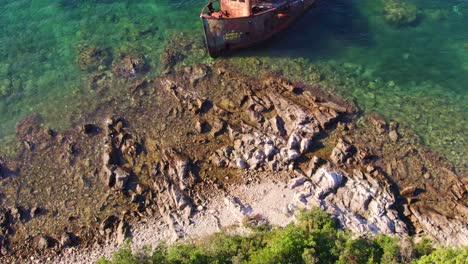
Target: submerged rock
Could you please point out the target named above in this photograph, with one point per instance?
(400, 12)
(128, 65)
(92, 58)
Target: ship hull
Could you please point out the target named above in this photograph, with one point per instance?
(223, 35)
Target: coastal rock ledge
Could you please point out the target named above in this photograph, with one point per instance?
(207, 147)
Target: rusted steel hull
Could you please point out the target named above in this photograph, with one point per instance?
(227, 34)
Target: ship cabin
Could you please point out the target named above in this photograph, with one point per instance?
(239, 8)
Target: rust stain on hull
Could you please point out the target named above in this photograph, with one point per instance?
(257, 22)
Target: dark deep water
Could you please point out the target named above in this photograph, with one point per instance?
(416, 74)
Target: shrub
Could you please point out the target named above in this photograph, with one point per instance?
(282, 246)
(445, 256)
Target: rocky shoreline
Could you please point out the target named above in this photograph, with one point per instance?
(170, 148)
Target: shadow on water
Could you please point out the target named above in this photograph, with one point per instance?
(322, 32)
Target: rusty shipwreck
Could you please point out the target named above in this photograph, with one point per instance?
(235, 24)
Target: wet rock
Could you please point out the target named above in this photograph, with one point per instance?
(119, 154)
(378, 122)
(278, 140)
(128, 65)
(109, 175)
(427, 175)
(197, 72)
(28, 128)
(170, 57)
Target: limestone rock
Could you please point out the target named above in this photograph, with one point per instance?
(447, 232)
(314, 165)
(342, 152)
(296, 182)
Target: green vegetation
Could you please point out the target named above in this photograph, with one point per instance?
(316, 238)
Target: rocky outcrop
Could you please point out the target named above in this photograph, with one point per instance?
(433, 197)
(353, 199)
(197, 132)
(445, 231)
(173, 182)
(120, 151)
(278, 130)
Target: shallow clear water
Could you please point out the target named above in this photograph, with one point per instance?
(415, 74)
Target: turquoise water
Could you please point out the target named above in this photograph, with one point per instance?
(416, 74)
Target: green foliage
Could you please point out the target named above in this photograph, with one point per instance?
(185, 254)
(124, 255)
(424, 247)
(445, 256)
(316, 238)
(390, 249)
(316, 219)
(358, 251)
(282, 246)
